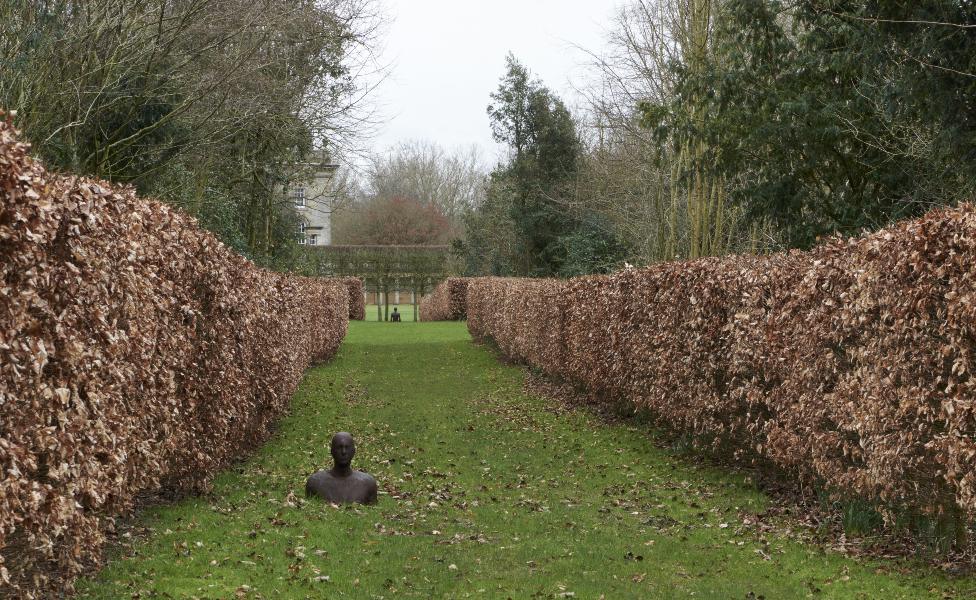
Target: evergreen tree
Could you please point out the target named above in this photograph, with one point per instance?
(545, 152)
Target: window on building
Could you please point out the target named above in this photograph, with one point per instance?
(313, 240)
(298, 197)
(301, 232)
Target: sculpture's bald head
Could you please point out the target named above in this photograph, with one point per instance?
(343, 449)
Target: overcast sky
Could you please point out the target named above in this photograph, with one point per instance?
(446, 57)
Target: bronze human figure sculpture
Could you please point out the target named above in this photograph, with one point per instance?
(342, 484)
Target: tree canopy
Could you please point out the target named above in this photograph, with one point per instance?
(210, 105)
(395, 221)
(526, 225)
(833, 116)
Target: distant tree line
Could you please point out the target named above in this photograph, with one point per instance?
(206, 104)
(720, 126)
(417, 193)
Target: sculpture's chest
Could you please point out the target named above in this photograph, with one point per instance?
(340, 490)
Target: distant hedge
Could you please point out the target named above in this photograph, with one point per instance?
(447, 302)
(137, 355)
(849, 366)
(357, 300)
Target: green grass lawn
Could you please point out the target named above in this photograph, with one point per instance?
(406, 310)
(484, 494)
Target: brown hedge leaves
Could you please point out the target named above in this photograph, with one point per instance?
(849, 366)
(357, 301)
(137, 354)
(447, 302)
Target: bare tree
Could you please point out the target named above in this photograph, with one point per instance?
(192, 100)
(651, 188)
(439, 182)
(431, 175)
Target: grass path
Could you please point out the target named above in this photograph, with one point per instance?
(373, 315)
(484, 494)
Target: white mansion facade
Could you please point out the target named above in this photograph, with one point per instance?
(314, 195)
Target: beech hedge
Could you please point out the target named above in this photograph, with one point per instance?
(447, 301)
(138, 356)
(849, 366)
(357, 301)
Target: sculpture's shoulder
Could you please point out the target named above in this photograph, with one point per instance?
(365, 477)
(369, 487)
(316, 480)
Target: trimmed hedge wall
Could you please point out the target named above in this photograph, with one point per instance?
(447, 301)
(138, 355)
(848, 366)
(357, 300)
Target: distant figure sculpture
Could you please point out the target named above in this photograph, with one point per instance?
(395, 315)
(342, 484)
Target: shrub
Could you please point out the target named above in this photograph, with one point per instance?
(137, 355)
(357, 301)
(847, 366)
(447, 302)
